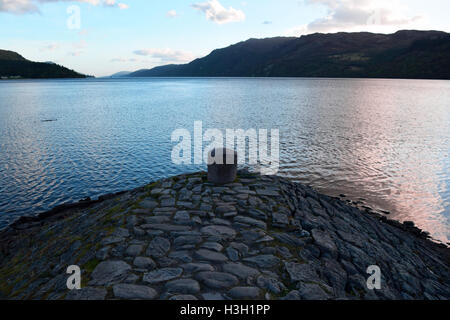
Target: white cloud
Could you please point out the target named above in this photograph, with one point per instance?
(122, 6)
(80, 44)
(123, 60)
(83, 32)
(109, 3)
(217, 13)
(358, 15)
(17, 6)
(172, 14)
(51, 47)
(113, 4)
(75, 53)
(78, 48)
(32, 6)
(166, 55)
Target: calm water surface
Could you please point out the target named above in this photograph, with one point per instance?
(386, 141)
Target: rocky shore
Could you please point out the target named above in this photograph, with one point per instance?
(183, 238)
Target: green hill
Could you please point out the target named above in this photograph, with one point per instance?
(11, 56)
(404, 54)
(13, 65)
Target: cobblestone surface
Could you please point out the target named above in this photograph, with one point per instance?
(183, 238)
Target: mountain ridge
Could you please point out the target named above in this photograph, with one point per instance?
(120, 74)
(15, 66)
(404, 54)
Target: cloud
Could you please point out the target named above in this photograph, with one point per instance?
(114, 4)
(32, 6)
(80, 44)
(217, 13)
(166, 55)
(78, 48)
(18, 6)
(122, 60)
(172, 14)
(357, 15)
(51, 47)
(75, 53)
(83, 32)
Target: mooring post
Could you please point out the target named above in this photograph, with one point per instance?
(222, 166)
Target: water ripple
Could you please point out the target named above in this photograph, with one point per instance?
(382, 140)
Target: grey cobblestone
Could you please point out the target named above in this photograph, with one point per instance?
(183, 239)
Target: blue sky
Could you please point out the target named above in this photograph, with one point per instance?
(116, 35)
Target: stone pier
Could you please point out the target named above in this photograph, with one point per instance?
(185, 238)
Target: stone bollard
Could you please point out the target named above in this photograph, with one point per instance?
(225, 171)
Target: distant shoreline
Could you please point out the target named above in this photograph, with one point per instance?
(273, 77)
(61, 78)
(409, 54)
(225, 77)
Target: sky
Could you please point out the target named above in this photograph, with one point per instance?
(101, 37)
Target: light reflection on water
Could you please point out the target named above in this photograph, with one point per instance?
(382, 140)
